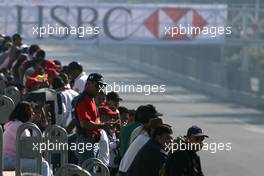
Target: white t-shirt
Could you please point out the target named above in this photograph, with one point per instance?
(113, 151)
(60, 109)
(132, 151)
(135, 133)
(104, 151)
(68, 96)
(79, 82)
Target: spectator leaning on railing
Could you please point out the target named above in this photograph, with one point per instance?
(150, 159)
(186, 162)
(88, 125)
(126, 131)
(137, 144)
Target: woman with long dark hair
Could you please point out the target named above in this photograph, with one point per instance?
(21, 114)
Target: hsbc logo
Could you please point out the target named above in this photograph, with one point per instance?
(159, 21)
(130, 23)
(181, 24)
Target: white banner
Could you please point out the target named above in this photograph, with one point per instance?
(108, 23)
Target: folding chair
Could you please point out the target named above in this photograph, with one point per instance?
(96, 167)
(6, 107)
(13, 93)
(25, 147)
(90, 161)
(72, 170)
(1, 150)
(57, 136)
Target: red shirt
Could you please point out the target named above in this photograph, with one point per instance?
(104, 109)
(86, 110)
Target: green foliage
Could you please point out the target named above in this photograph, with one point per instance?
(234, 60)
(256, 59)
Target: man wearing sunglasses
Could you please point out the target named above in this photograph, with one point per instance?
(87, 119)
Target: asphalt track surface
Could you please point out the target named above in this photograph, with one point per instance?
(224, 122)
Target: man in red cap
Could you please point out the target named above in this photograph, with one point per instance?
(111, 106)
(108, 144)
(112, 102)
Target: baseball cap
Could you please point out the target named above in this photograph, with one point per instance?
(51, 64)
(113, 96)
(74, 66)
(195, 131)
(151, 110)
(147, 112)
(97, 78)
(24, 48)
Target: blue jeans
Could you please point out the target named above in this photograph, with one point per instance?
(27, 165)
(82, 152)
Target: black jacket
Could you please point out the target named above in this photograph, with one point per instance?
(183, 163)
(148, 161)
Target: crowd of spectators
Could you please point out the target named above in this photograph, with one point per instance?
(131, 142)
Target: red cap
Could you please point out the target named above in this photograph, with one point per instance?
(104, 110)
(31, 81)
(51, 64)
(52, 72)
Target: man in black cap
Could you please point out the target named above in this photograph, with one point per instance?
(146, 113)
(185, 161)
(87, 120)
